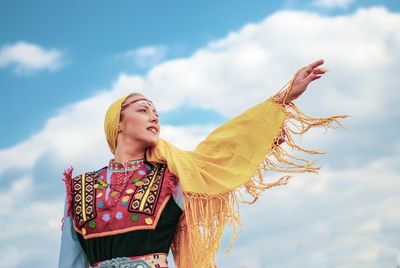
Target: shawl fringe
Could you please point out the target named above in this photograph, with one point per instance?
(198, 236)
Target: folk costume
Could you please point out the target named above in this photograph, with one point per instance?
(147, 214)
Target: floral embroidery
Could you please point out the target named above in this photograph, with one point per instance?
(129, 191)
(114, 193)
(149, 221)
(100, 204)
(106, 217)
(118, 215)
(131, 165)
(135, 217)
(92, 224)
(101, 184)
(139, 183)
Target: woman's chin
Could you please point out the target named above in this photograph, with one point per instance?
(153, 142)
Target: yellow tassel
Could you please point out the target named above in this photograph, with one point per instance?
(197, 239)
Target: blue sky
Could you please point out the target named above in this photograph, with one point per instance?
(202, 63)
(90, 34)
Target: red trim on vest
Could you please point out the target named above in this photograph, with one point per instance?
(67, 180)
(170, 182)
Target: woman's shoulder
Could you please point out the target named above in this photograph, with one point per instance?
(69, 173)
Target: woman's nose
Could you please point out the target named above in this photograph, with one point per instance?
(155, 119)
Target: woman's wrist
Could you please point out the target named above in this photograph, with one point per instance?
(280, 98)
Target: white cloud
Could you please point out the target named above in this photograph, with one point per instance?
(351, 223)
(256, 61)
(351, 213)
(145, 57)
(333, 3)
(26, 58)
(28, 227)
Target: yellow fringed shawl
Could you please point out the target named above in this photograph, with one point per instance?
(235, 156)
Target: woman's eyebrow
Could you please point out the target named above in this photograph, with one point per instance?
(146, 106)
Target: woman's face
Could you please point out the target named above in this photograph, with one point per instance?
(139, 121)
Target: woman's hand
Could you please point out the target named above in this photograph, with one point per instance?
(300, 83)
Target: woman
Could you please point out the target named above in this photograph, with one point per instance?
(153, 196)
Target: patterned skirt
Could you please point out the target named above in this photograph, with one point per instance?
(146, 261)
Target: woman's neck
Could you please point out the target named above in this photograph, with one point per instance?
(125, 153)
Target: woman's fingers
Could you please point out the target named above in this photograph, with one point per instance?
(317, 63)
(312, 72)
(319, 71)
(315, 74)
(309, 68)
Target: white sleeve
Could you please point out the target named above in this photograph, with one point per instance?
(71, 252)
(178, 195)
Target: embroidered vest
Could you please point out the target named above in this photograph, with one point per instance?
(140, 219)
(137, 207)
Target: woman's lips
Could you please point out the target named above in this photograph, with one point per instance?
(154, 130)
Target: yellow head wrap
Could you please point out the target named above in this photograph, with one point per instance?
(111, 123)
